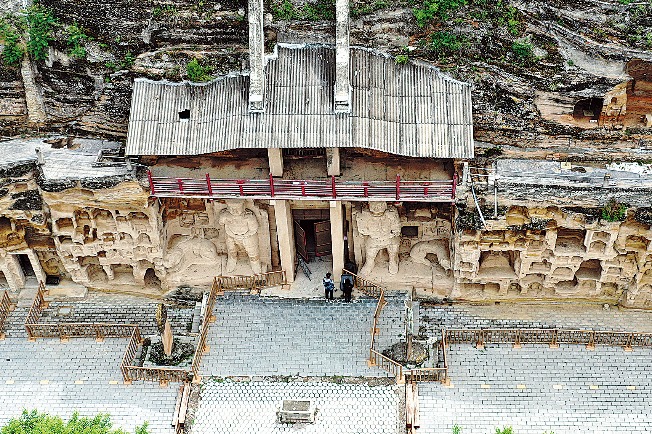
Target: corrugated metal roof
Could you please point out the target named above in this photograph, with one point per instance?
(410, 109)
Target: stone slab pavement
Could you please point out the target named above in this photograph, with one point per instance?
(536, 389)
(250, 407)
(523, 315)
(271, 336)
(80, 375)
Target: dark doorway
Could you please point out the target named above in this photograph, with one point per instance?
(313, 238)
(26, 266)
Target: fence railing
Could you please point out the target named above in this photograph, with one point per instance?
(35, 311)
(252, 283)
(65, 331)
(426, 374)
(6, 306)
(378, 359)
(207, 319)
(330, 188)
(368, 287)
(130, 372)
(552, 337)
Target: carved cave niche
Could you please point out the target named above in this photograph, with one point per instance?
(597, 247)
(499, 265)
(589, 270)
(96, 274)
(570, 241)
(636, 243)
(123, 273)
(104, 220)
(151, 279)
(65, 225)
(3, 281)
(82, 217)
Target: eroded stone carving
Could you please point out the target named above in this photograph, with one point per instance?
(241, 228)
(382, 228)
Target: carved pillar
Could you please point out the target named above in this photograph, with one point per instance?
(285, 234)
(275, 156)
(337, 238)
(333, 161)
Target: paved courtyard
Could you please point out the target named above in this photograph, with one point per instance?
(81, 375)
(536, 389)
(273, 336)
(250, 407)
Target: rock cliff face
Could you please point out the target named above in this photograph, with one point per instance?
(540, 70)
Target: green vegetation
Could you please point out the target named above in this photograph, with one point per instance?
(457, 429)
(76, 41)
(401, 59)
(14, 50)
(128, 60)
(197, 72)
(432, 9)
(40, 24)
(315, 11)
(164, 11)
(614, 211)
(524, 51)
(367, 9)
(41, 423)
(505, 430)
(445, 43)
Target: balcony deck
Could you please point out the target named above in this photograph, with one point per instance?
(323, 189)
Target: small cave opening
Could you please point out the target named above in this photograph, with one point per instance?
(588, 109)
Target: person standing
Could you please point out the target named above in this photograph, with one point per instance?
(347, 289)
(329, 286)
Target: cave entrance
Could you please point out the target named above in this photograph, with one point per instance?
(588, 109)
(26, 265)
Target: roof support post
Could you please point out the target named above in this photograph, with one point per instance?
(256, 57)
(342, 58)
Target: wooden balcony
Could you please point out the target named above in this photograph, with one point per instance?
(324, 189)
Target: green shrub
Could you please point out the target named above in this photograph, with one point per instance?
(505, 430)
(128, 60)
(432, 9)
(457, 429)
(445, 43)
(13, 52)
(197, 72)
(312, 11)
(401, 59)
(39, 423)
(40, 24)
(366, 9)
(284, 11)
(614, 211)
(76, 41)
(524, 51)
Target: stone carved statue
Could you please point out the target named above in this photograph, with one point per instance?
(241, 227)
(382, 228)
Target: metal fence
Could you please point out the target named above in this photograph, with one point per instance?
(6, 306)
(251, 283)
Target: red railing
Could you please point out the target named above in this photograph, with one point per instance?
(330, 188)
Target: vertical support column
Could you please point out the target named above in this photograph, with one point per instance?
(256, 57)
(10, 267)
(275, 157)
(285, 235)
(36, 265)
(342, 60)
(333, 161)
(337, 238)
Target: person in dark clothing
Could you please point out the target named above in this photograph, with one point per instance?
(329, 286)
(347, 289)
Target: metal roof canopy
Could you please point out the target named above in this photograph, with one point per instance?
(405, 109)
